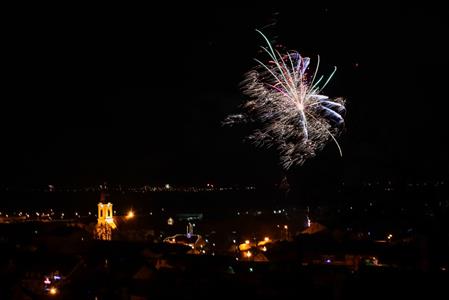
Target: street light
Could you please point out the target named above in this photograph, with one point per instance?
(53, 291)
(130, 215)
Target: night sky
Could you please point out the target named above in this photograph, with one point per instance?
(137, 95)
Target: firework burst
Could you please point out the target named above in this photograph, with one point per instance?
(287, 106)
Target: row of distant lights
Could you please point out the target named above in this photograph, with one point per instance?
(52, 213)
(280, 211)
(78, 215)
(209, 186)
(418, 184)
(167, 186)
(27, 215)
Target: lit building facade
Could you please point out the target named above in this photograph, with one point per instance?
(105, 223)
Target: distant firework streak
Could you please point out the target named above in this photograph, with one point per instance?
(287, 108)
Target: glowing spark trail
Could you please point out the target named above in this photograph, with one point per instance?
(287, 107)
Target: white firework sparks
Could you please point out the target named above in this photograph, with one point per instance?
(288, 108)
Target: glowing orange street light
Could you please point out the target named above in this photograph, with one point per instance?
(130, 215)
(266, 239)
(247, 242)
(53, 291)
(248, 254)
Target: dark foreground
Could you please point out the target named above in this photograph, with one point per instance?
(140, 270)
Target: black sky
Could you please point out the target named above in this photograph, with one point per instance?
(137, 95)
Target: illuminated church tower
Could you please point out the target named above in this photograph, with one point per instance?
(105, 223)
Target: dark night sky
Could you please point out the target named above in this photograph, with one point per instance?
(137, 95)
